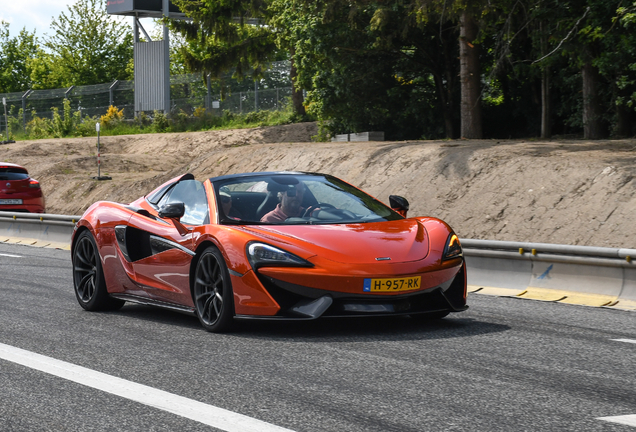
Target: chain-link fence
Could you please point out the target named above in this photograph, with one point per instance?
(187, 92)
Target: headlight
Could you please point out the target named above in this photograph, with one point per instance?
(261, 255)
(453, 249)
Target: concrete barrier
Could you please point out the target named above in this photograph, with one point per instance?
(590, 276)
(43, 230)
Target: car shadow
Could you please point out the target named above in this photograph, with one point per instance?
(158, 315)
(367, 328)
(329, 329)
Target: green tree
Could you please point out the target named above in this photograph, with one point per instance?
(625, 78)
(87, 47)
(374, 67)
(233, 35)
(14, 55)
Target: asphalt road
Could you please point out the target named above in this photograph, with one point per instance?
(504, 365)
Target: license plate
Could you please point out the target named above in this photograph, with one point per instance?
(10, 201)
(392, 284)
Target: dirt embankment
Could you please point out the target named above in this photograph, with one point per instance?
(569, 192)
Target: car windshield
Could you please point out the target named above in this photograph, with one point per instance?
(13, 173)
(296, 199)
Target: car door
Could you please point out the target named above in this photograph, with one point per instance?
(162, 252)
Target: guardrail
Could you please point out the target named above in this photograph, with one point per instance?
(37, 229)
(595, 276)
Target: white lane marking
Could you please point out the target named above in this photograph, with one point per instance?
(12, 256)
(198, 411)
(625, 340)
(629, 420)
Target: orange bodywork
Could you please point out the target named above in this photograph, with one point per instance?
(340, 258)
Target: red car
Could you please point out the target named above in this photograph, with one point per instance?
(273, 246)
(18, 191)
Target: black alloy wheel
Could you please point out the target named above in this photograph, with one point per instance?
(88, 276)
(212, 292)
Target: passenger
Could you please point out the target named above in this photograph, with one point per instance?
(289, 206)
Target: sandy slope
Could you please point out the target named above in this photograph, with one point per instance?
(571, 192)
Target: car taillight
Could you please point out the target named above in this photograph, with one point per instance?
(34, 184)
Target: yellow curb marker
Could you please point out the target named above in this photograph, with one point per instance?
(559, 296)
(623, 305)
(569, 297)
(494, 291)
(36, 243)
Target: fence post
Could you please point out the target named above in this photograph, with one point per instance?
(24, 96)
(255, 95)
(277, 98)
(241, 102)
(208, 99)
(6, 119)
(113, 86)
(68, 91)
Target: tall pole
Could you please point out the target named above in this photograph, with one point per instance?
(99, 164)
(99, 159)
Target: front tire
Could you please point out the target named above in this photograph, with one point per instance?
(88, 276)
(212, 292)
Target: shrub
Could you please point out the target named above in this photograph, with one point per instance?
(62, 127)
(86, 127)
(200, 112)
(16, 123)
(142, 119)
(39, 127)
(160, 122)
(112, 116)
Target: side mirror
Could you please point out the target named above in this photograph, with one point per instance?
(399, 204)
(172, 211)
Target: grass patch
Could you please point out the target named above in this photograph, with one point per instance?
(112, 123)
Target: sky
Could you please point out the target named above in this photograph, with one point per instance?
(35, 15)
(32, 14)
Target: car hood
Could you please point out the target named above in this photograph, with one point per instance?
(401, 240)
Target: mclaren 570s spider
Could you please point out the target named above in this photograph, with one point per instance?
(268, 246)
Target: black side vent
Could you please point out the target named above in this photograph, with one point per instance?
(134, 243)
(158, 245)
(120, 234)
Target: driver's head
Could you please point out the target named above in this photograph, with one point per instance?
(291, 200)
(226, 200)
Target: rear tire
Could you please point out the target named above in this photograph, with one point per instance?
(88, 276)
(212, 292)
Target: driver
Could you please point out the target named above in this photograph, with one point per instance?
(289, 206)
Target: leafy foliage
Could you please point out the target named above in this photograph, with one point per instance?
(87, 47)
(112, 116)
(15, 52)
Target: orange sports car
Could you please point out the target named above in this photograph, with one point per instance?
(275, 246)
